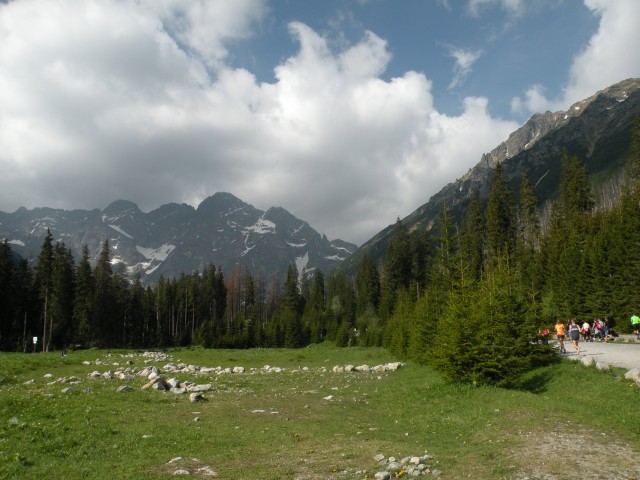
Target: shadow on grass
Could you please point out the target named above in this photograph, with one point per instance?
(535, 382)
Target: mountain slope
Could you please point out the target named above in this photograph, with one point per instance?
(597, 130)
(175, 239)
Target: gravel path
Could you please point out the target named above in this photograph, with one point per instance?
(620, 354)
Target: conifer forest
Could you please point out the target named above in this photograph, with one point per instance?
(467, 297)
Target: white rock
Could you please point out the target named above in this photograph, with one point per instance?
(196, 397)
(587, 361)
(633, 374)
(173, 382)
(238, 370)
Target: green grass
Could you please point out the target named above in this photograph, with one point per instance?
(278, 425)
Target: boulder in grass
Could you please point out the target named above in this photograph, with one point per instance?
(197, 397)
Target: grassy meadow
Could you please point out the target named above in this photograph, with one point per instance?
(308, 423)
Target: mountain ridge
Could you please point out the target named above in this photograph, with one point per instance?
(596, 129)
(177, 238)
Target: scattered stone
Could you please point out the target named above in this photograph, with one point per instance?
(152, 383)
(587, 361)
(633, 374)
(415, 466)
(196, 397)
(123, 389)
(68, 390)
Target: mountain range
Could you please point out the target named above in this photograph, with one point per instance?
(227, 232)
(597, 130)
(178, 238)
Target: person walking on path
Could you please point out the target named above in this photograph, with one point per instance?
(635, 324)
(560, 332)
(574, 334)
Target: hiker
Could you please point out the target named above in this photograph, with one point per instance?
(635, 324)
(544, 335)
(560, 332)
(574, 334)
(586, 332)
(598, 329)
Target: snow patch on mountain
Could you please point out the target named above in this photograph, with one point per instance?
(297, 245)
(119, 230)
(301, 263)
(161, 253)
(16, 242)
(262, 226)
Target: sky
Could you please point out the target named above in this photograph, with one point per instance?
(347, 113)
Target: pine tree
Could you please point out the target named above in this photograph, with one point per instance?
(367, 287)
(83, 300)
(501, 220)
(528, 216)
(576, 196)
(472, 237)
(44, 286)
(61, 298)
(7, 298)
(103, 328)
(633, 164)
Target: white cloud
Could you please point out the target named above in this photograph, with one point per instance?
(513, 7)
(463, 65)
(535, 101)
(133, 99)
(609, 57)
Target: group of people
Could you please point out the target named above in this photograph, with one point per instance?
(586, 331)
(599, 329)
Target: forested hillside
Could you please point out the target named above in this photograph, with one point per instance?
(467, 296)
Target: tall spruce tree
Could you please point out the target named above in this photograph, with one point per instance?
(472, 237)
(396, 270)
(83, 300)
(61, 299)
(7, 298)
(501, 218)
(103, 328)
(633, 164)
(44, 286)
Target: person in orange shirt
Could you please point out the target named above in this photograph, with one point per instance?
(560, 332)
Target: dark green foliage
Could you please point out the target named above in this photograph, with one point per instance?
(501, 217)
(468, 297)
(634, 155)
(484, 337)
(472, 237)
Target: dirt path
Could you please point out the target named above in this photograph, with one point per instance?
(619, 354)
(567, 452)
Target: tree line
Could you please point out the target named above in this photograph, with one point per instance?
(467, 297)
